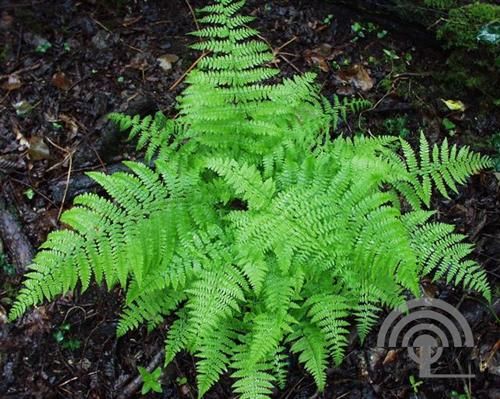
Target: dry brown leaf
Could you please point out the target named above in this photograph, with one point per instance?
(13, 83)
(6, 20)
(61, 81)
(38, 150)
(320, 62)
(358, 76)
(391, 357)
(36, 321)
(324, 50)
(490, 359)
(345, 91)
(70, 123)
(138, 62)
(319, 56)
(19, 136)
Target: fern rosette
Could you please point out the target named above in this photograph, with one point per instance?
(257, 231)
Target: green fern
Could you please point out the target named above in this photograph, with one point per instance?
(440, 4)
(254, 228)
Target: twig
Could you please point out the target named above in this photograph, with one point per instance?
(34, 190)
(67, 185)
(4, 97)
(103, 165)
(67, 381)
(25, 69)
(416, 74)
(290, 63)
(290, 392)
(265, 40)
(73, 308)
(179, 81)
(126, 24)
(133, 386)
(120, 39)
(193, 14)
(131, 47)
(285, 44)
(20, 44)
(101, 25)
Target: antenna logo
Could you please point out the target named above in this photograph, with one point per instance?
(429, 325)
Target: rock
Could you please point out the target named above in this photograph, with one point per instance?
(87, 26)
(78, 184)
(103, 40)
(167, 60)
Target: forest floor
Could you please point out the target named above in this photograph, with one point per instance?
(64, 65)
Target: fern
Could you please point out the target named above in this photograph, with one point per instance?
(440, 4)
(253, 228)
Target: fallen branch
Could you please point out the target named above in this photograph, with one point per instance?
(130, 389)
(19, 71)
(15, 241)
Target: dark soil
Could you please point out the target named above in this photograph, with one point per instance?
(64, 65)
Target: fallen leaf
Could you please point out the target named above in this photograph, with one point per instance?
(324, 50)
(320, 56)
(454, 105)
(70, 124)
(320, 62)
(139, 62)
(36, 321)
(19, 136)
(38, 150)
(60, 81)
(430, 290)
(22, 107)
(6, 21)
(13, 83)
(358, 76)
(166, 61)
(3, 315)
(345, 91)
(490, 360)
(391, 357)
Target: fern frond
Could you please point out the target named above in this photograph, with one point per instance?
(311, 345)
(440, 4)
(215, 349)
(443, 252)
(253, 380)
(328, 312)
(219, 290)
(442, 168)
(178, 337)
(246, 181)
(151, 307)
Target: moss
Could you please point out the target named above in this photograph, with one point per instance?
(472, 64)
(464, 23)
